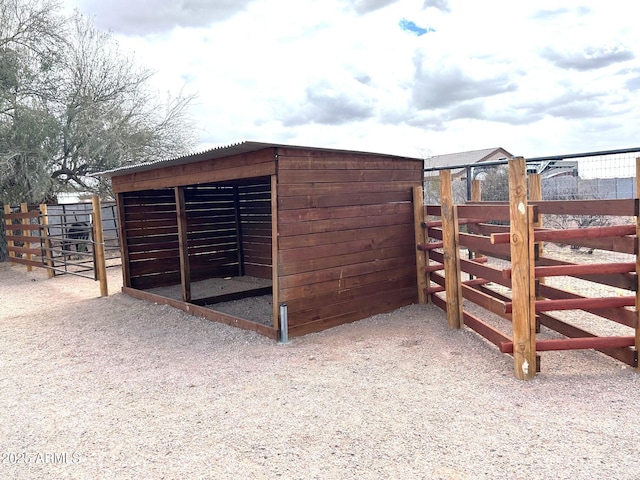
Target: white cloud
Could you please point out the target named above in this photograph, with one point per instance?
(329, 103)
(442, 5)
(440, 85)
(366, 6)
(536, 79)
(589, 58)
(142, 17)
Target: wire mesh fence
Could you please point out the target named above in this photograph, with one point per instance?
(585, 176)
(70, 225)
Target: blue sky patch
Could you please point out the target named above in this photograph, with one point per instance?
(409, 26)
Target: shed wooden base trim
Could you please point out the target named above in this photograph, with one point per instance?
(203, 312)
(228, 297)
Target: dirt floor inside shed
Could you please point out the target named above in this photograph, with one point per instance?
(257, 308)
(116, 388)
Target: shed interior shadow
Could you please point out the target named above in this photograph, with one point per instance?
(228, 232)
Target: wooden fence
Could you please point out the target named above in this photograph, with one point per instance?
(507, 274)
(65, 246)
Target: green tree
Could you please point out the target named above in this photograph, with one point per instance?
(72, 103)
(30, 35)
(107, 115)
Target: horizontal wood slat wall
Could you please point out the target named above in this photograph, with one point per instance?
(212, 232)
(346, 241)
(255, 215)
(151, 231)
(250, 165)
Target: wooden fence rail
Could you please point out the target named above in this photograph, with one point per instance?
(518, 292)
(30, 242)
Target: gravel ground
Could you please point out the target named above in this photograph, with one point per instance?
(116, 388)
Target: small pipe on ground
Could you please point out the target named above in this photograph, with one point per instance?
(284, 324)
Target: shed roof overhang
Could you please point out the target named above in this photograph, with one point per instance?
(226, 151)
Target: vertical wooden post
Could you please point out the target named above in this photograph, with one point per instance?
(48, 254)
(637, 263)
(98, 246)
(122, 235)
(185, 268)
(275, 256)
(24, 208)
(238, 220)
(451, 252)
(522, 277)
(476, 196)
(7, 221)
(535, 188)
(421, 257)
(476, 191)
(535, 194)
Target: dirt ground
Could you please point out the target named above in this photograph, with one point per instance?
(117, 388)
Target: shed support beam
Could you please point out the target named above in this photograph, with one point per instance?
(124, 247)
(185, 270)
(275, 256)
(238, 220)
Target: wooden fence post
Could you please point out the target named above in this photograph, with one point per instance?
(24, 208)
(535, 194)
(419, 231)
(637, 264)
(7, 221)
(48, 255)
(476, 191)
(476, 196)
(451, 252)
(98, 245)
(522, 278)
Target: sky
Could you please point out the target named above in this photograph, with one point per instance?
(406, 77)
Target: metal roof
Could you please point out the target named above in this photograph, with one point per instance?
(225, 151)
(465, 158)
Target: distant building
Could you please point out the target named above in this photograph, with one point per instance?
(464, 158)
(68, 197)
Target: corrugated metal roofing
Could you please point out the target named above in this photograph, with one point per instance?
(225, 151)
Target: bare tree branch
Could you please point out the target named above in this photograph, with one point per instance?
(72, 104)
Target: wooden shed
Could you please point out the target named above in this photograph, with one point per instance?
(329, 233)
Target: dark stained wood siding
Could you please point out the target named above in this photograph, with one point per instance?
(229, 229)
(151, 230)
(228, 225)
(249, 165)
(345, 236)
(212, 231)
(148, 206)
(255, 215)
(345, 243)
